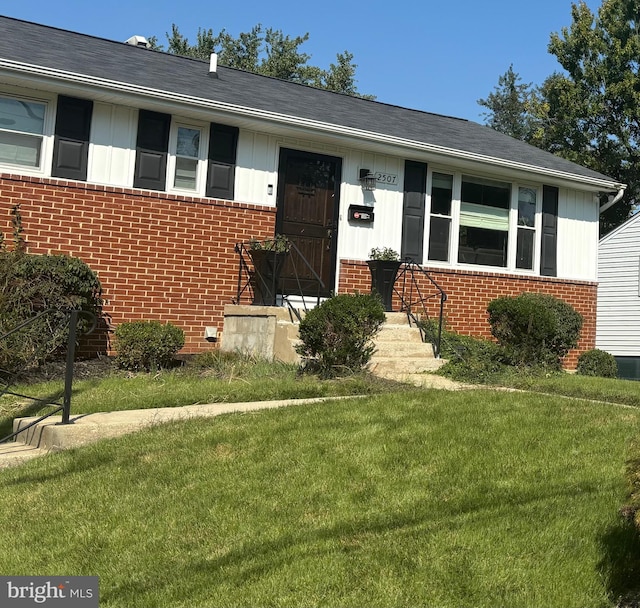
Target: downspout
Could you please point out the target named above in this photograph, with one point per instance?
(613, 201)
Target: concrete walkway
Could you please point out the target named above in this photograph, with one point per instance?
(52, 436)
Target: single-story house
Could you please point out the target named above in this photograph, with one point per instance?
(151, 167)
(618, 316)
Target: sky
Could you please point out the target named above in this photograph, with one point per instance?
(434, 55)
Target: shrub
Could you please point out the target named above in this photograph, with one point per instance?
(147, 345)
(597, 362)
(470, 359)
(31, 284)
(534, 329)
(337, 334)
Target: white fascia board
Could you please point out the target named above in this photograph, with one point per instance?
(288, 120)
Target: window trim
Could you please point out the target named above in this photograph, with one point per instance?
(201, 177)
(454, 236)
(46, 148)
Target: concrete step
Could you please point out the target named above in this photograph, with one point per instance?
(396, 348)
(391, 332)
(405, 365)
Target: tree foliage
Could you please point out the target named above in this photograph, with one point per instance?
(588, 112)
(268, 52)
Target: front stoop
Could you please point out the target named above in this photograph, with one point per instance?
(268, 332)
(400, 352)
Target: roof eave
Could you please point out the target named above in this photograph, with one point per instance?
(14, 67)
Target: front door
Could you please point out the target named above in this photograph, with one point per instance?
(308, 203)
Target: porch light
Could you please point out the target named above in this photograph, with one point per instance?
(367, 179)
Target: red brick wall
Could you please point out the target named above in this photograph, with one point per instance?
(469, 293)
(158, 256)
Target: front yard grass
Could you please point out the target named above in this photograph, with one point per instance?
(419, 498)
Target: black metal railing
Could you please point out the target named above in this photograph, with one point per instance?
(414, 300)
(278, 277)
(71, 320)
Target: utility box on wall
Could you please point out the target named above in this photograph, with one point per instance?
(360, 214)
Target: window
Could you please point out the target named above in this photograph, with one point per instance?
(527, 207)
(187, 158)
(484, 222)
(21, 131)
(440, 226)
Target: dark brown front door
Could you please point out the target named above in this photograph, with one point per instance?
(308, 203)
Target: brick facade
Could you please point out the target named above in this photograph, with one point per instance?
(158, 256)
(469, 293)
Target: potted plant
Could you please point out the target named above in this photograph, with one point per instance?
(268, 257)
(384, 263)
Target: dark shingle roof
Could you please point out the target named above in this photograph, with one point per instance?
(72, 52)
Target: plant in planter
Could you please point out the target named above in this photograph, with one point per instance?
(268, 257)
(384, 263)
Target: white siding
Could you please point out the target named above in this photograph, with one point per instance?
(618, 318)
(357, 240)
(256, 169)
(577, 235)
(113, 141)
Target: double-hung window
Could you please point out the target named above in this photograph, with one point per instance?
(187, 158)
(527, 207)
(21, 131)
(440, 224)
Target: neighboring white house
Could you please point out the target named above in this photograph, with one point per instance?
(618, 314)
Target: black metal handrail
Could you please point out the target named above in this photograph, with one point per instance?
(252, 277)
(65, 406)
(411, 297)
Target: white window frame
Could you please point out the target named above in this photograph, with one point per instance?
(454, 236)
(201, 175)
(46, 148)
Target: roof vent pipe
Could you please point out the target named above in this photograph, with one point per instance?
(213, 65)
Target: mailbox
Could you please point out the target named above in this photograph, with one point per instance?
(360, 214)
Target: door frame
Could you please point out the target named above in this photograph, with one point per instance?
(284, 155)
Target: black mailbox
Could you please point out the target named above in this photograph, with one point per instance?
(360, 214)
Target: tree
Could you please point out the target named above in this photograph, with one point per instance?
(510, 107)
(268, 52)
(590, 112)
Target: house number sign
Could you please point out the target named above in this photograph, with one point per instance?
(386, 178)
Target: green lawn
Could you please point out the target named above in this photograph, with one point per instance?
(418, 498)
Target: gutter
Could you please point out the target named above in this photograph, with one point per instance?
(293, 121)
(610, 203)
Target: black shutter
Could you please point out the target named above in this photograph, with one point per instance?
(548, 253)
(415, 187)
(71, 141)
(223, 144)
(151, 150)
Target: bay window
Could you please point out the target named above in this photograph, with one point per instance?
(21, 131)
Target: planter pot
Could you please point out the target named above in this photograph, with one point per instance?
(383, 276)
(267, 267)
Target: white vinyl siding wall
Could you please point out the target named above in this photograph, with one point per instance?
(618, 316)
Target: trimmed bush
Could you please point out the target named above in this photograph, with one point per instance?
(336, 336)
(31, 284)
(534, 329)
(147, 345)
(597, 362)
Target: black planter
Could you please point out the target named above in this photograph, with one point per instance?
(267, 267)
(383, 276)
